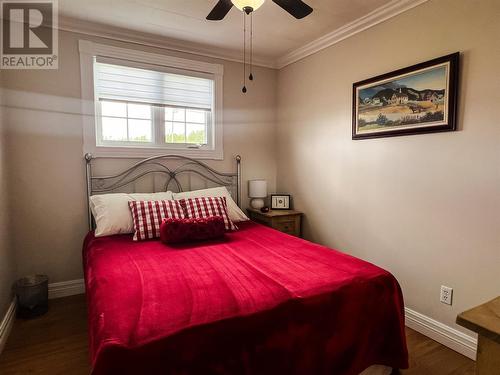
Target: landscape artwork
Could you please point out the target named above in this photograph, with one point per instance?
(418, 99)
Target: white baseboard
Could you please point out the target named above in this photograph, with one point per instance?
(66, 288)
(7, 323)
(446, 335)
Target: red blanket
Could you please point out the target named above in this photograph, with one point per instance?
(257, 302)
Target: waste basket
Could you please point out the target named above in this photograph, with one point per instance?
(32, 296)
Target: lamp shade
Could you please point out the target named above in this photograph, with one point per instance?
(257, 188)
(254, 4)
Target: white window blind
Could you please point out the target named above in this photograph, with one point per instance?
(130, 84)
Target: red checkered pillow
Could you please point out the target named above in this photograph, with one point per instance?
(206, 207)
(148, 215)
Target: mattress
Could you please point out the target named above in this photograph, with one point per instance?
(256, 302)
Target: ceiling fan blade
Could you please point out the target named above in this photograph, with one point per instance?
(220, 10)
(296, 8)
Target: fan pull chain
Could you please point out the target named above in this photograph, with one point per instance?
(244, 89)
(250, 77)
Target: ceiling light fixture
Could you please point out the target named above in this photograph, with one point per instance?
(247, 6)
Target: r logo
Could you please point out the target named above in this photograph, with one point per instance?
(29, 28)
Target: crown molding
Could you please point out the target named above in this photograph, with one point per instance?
(381, 14)
(153, 40)
(371, 19)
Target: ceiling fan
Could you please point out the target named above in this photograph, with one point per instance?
(296, 8)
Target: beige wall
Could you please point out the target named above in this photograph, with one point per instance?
(45, 149)
(425, 207)
(7, 261)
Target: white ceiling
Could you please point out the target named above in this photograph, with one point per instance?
(276, 33)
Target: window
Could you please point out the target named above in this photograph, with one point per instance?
(152, 106)
(125, 122)
(186, 125)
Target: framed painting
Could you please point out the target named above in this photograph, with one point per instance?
(419, 99)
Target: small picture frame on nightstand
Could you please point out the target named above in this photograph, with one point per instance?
(280, 201)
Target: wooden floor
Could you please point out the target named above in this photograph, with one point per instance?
(57, 344)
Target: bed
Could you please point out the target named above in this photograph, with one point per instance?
(256, 302)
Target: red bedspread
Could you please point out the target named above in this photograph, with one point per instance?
(258, 302)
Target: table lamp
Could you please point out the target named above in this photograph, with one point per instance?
(257, 190)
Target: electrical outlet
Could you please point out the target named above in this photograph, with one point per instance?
(446, 295)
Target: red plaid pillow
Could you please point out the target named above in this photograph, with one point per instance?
(206, 207)
(148, 215)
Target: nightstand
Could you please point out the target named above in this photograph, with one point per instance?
(286, 221)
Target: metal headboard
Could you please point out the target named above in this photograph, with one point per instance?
(156, 165)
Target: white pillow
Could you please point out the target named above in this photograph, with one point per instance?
(234, 212)
(112, 214)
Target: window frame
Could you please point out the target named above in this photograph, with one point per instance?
(90, 51)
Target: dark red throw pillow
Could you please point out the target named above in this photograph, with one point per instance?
(192, 229)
